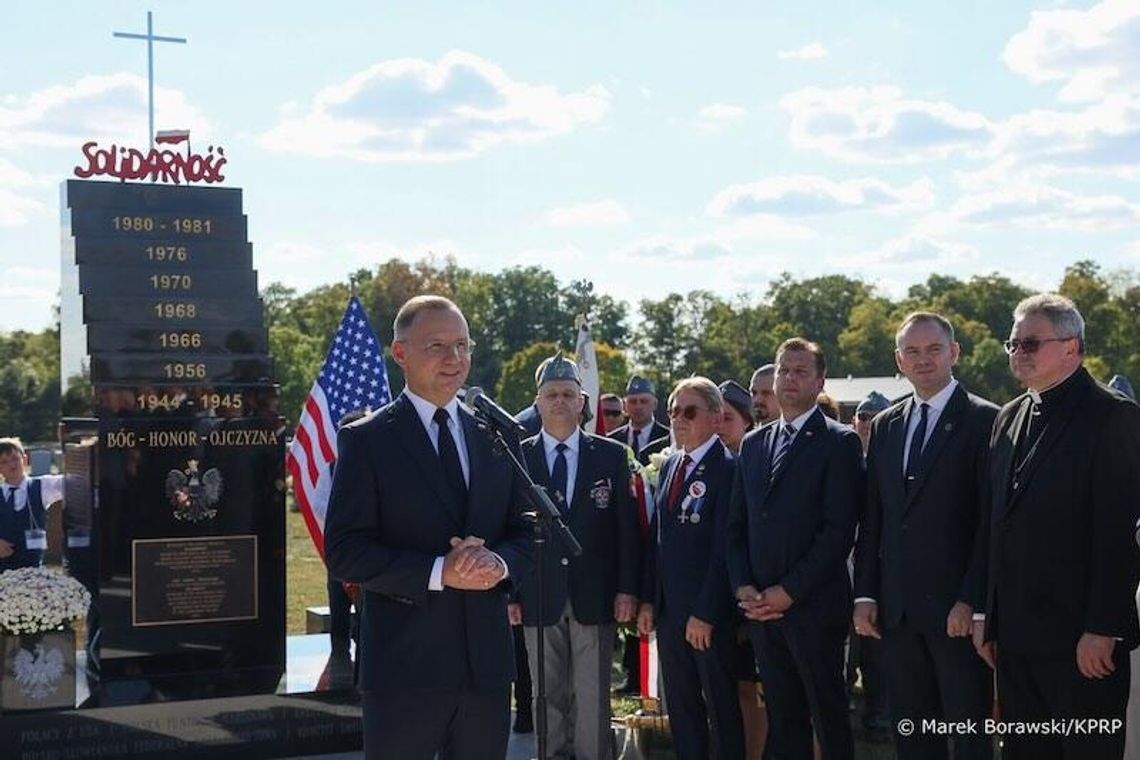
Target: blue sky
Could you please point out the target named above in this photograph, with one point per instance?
(651, 147)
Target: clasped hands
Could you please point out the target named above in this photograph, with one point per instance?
(763, 606)
(471, 566)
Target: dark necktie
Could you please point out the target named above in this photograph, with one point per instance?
(560, 475)
(634, 435)
(678, 484)
(787, 433)
(449, 458)
(916, 444)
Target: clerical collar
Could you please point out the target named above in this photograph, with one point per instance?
(1053, 396)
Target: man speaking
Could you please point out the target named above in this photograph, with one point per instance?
(428, 520)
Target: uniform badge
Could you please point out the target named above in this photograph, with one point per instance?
(697, 489)
(600, 493)
(695, 518)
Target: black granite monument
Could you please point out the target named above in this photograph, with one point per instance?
(160, 313)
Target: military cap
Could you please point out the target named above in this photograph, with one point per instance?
(874, 403)
(559, 368)
(638, 384)
(1123, 385)
(734, 394)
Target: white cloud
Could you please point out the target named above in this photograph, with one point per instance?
(104, 108)
(717, 116)
(32, 284)
(1105, 137)
(16, 205)
(807, 195)
(1043, 207)
(739, 238)
(409, 110)
(1090, 52)
(551, 258)
(921, 250)
(813, 51)
(879, 124)
(605, 213)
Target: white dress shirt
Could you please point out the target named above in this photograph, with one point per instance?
(798, 423)
(573, 443)
(935, 404)
(426, 412)
(51, 490)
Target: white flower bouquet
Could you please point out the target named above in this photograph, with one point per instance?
(37, 600)
(656, 459)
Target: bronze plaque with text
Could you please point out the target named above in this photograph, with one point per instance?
(193, 580)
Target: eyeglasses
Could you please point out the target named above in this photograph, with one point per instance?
(439, 350)
(1029, 345)
(688, 412)
(611, 412)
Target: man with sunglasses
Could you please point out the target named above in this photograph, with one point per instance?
(795, 502)
(429, 521)
(687, 598)
(916, 582)
(587, 477)
(1062, 566)
(612, 414)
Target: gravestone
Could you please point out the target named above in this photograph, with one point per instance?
(160, 315)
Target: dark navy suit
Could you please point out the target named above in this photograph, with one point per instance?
(796, 530)
(685, 576)
(13, 525)
(425, 653)
(916, 557)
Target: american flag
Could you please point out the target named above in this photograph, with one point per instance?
(353, 378)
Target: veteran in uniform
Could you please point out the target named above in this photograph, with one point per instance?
(587, 477)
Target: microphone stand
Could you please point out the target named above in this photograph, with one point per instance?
(547, 521)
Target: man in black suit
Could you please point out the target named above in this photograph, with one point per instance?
(687, 598)
(587, 477)
(642, 433)
(1063, 568)
(795, 501)
(429, 521)
(916, 583)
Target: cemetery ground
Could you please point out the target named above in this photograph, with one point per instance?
(305, 587)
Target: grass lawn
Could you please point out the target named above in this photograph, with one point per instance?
(304, 573)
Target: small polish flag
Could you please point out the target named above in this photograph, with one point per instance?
(172, 136)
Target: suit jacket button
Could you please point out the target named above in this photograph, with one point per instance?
(904, 527)
(565, 561)
(764, 515)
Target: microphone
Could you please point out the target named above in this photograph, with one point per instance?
(492, 412)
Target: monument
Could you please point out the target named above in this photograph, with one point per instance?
(175, 494)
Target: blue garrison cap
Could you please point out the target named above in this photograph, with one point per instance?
(559, 368)
(874, 403)
(734, 393)
(1123, 385)
(638, 384)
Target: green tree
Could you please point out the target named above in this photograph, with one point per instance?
(867, 344)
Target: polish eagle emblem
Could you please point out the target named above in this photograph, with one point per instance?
(38, 674)
(193, 496)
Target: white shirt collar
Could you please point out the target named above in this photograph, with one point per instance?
(699, 452)
(549, 442)
(799, 422)
(426, 409)
(939, 400)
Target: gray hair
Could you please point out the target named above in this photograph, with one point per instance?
(704, 388)
(1060, 311)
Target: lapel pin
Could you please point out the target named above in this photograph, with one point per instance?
(949, 426)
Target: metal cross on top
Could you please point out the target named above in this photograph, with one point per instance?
(150, 40)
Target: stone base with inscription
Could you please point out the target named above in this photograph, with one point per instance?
(315, 711)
